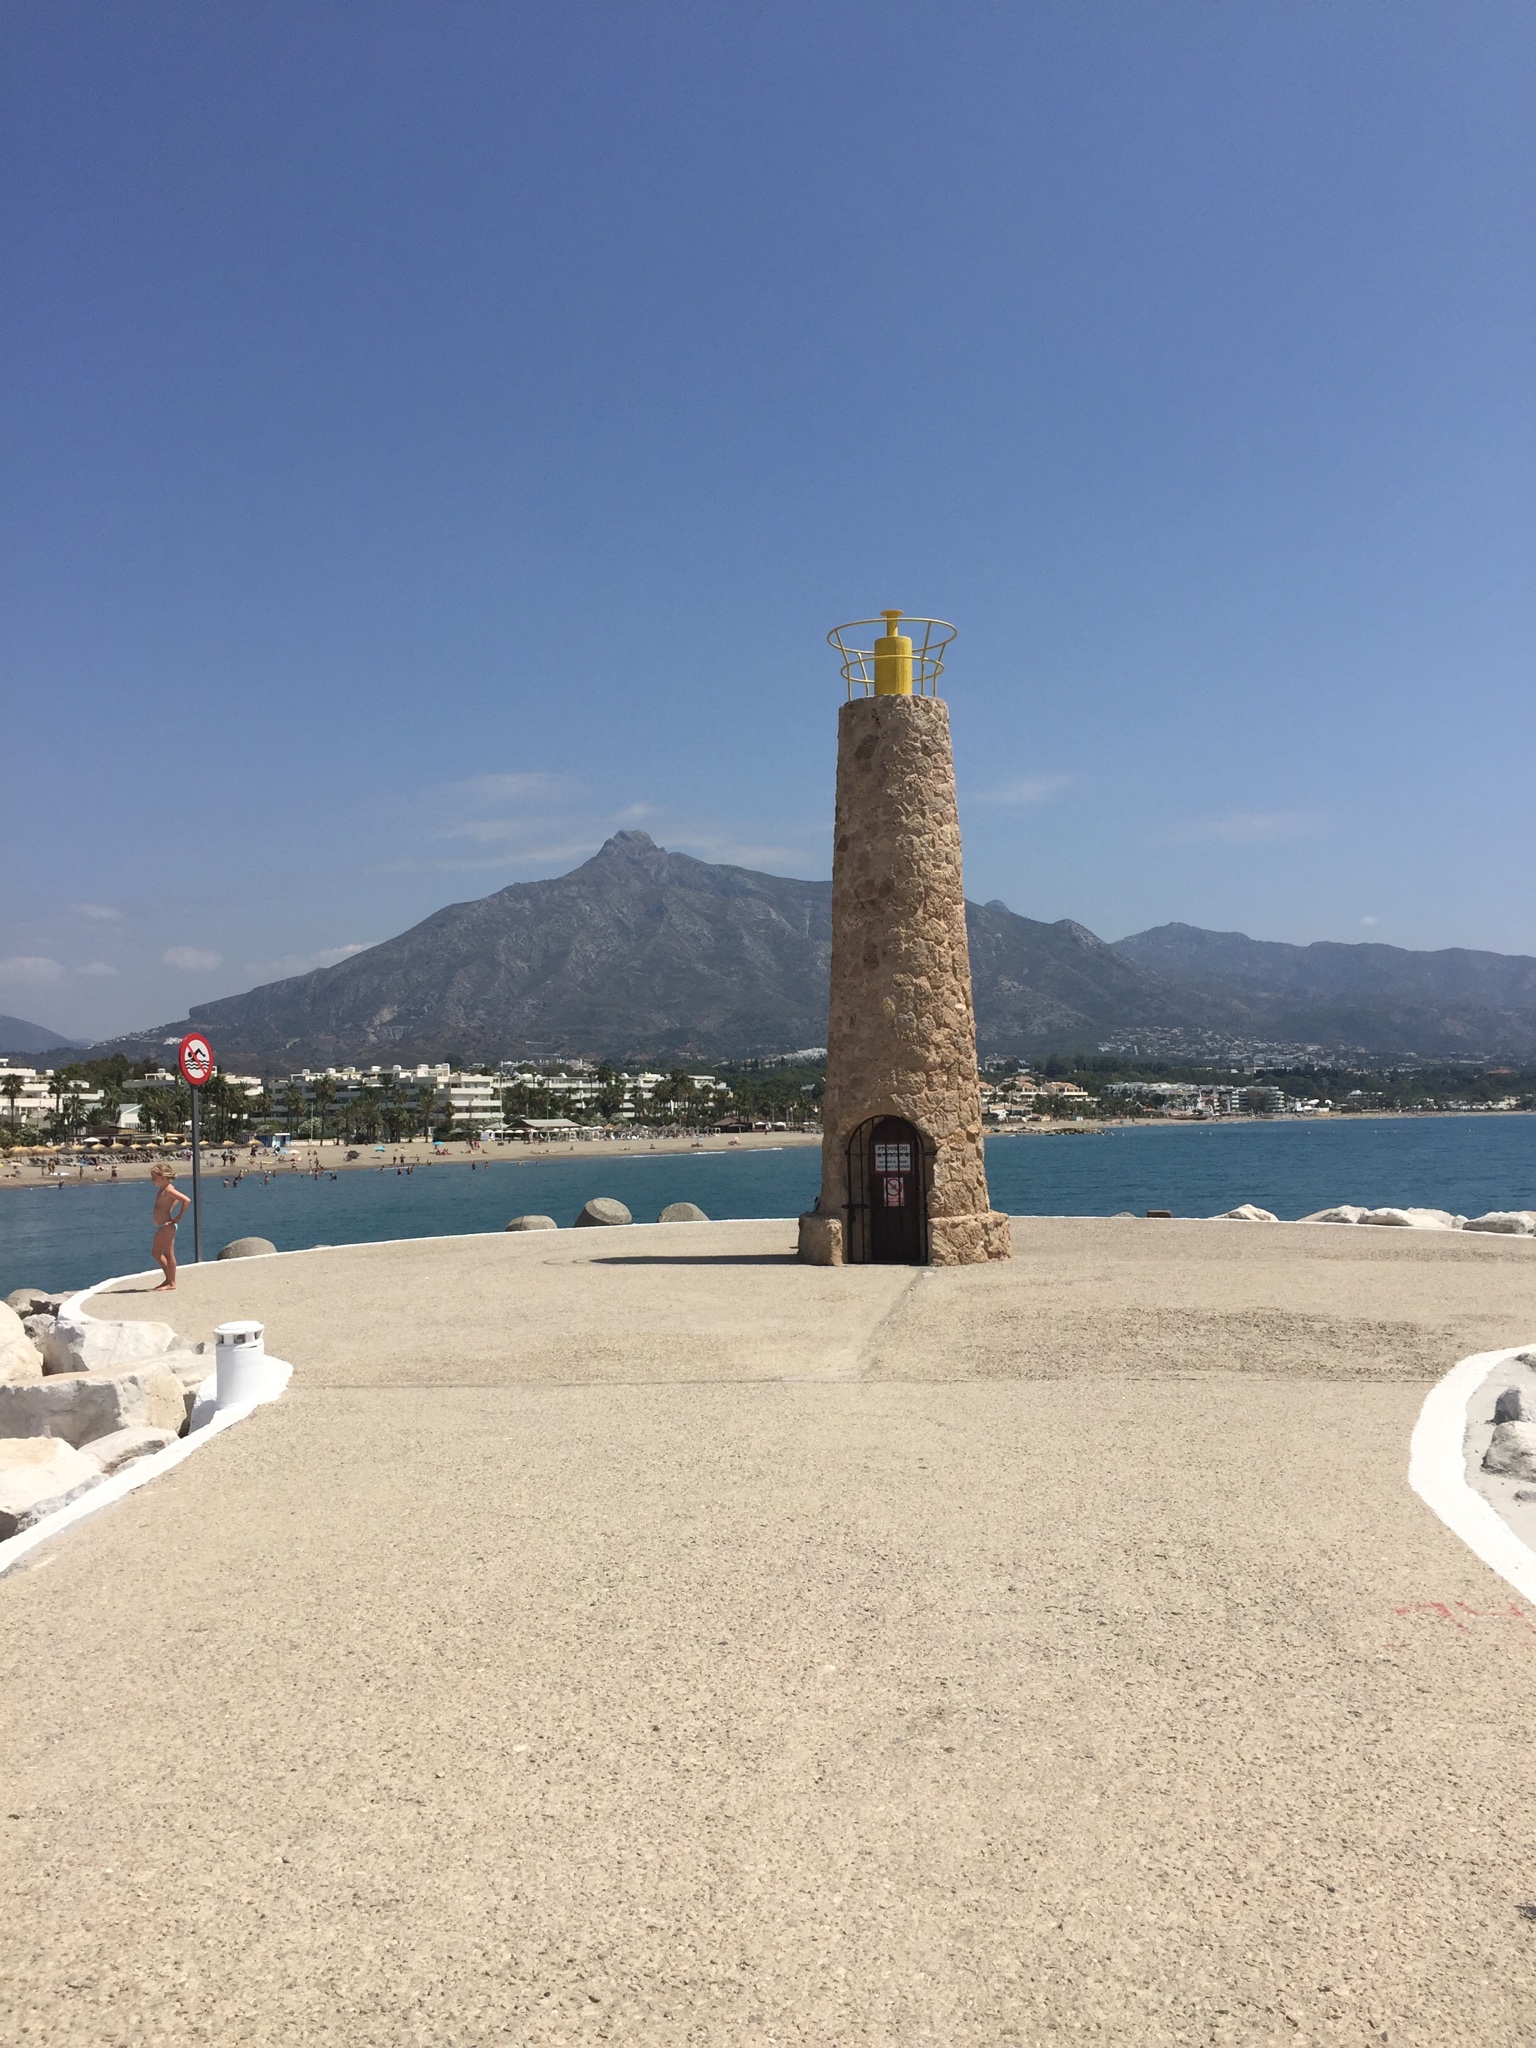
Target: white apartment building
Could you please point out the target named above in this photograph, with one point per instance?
(476, 1099)
(34, 1099)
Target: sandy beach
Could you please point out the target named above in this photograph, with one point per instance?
(634, 1635)
(331, 1157)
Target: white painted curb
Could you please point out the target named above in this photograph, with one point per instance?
(142, 1470)
(1437, 1472)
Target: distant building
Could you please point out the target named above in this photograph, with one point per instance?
(477, 1100)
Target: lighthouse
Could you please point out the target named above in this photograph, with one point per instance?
(903, 1175)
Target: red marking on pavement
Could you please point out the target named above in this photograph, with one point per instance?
(1452, 1611)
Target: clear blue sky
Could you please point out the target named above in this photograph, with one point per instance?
(438, 435)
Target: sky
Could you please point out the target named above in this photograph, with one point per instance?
(434, 437)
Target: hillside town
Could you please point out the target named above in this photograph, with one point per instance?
(111, 1105)
(81, 1104)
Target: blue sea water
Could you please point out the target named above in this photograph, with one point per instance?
(70, 1235)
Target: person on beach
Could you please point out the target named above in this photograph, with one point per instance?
(170, 1206)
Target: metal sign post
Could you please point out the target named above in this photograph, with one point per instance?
(197, 1184)
(195, 1058)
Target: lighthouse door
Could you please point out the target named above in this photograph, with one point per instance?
(888, 1209)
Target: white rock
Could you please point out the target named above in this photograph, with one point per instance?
(81, 1406)
(105, 1347)
(533, 1223)
(113, 1452)
(682, 1212)
(1506, 1222)
(28, 1300)
(1246, 1212)
(1345, 1213)
(20, 1358)
(602, 1210)
(1516, 1404)
(1513, 1450)
(191, 1367)
(37, 1475)
(1414, 1219)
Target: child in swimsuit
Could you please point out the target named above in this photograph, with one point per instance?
(170, 1206)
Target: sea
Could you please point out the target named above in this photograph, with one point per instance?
(64, 1236)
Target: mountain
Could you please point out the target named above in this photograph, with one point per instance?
(642, 953)
(1040, 986)
(1454, 1002)
(638, 950)
(22, 1040)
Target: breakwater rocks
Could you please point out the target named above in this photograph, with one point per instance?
(79, 1399)
(1512, 1452)
(1499, 1222)
(604, 1213)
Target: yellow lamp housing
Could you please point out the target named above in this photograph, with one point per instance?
(895, 664)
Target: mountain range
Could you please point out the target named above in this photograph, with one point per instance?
(643, 954)
(19, 1038)
(1385, 999)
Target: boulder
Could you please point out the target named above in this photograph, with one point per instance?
(248, 1248)
(29, 1301)
(682, 1212)
(533, 1223)
(102, 1347)
(1505, 1222)
(602, 1210)
(1516, 1404)
(37, 1327)
(113, 1452)
(37, 1475)
(1345, 1213)
(20, 1358)
(192, 1366)
(1414, 1219)
(80, 1407)
(1513, 1450)
(1246, 1212)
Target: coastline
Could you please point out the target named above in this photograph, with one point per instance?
(330, 1157)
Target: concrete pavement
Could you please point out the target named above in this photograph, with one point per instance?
(636, 1636)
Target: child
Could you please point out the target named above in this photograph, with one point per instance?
(170, 1206)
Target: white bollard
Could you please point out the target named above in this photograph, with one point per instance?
(241, 1355)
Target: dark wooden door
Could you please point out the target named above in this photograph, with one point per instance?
(889, 1209)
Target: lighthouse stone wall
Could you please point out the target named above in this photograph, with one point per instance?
(902, 1034)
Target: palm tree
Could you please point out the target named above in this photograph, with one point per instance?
(426, 1102)
(389, 1109)
(363, 1118)
(11, 1086)
(323, 1093)
(72, 1115)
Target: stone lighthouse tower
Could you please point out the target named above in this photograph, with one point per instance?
(903, 1179)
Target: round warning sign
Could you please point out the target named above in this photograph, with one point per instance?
(195, 1059)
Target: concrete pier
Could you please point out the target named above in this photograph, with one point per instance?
(638, 1636)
